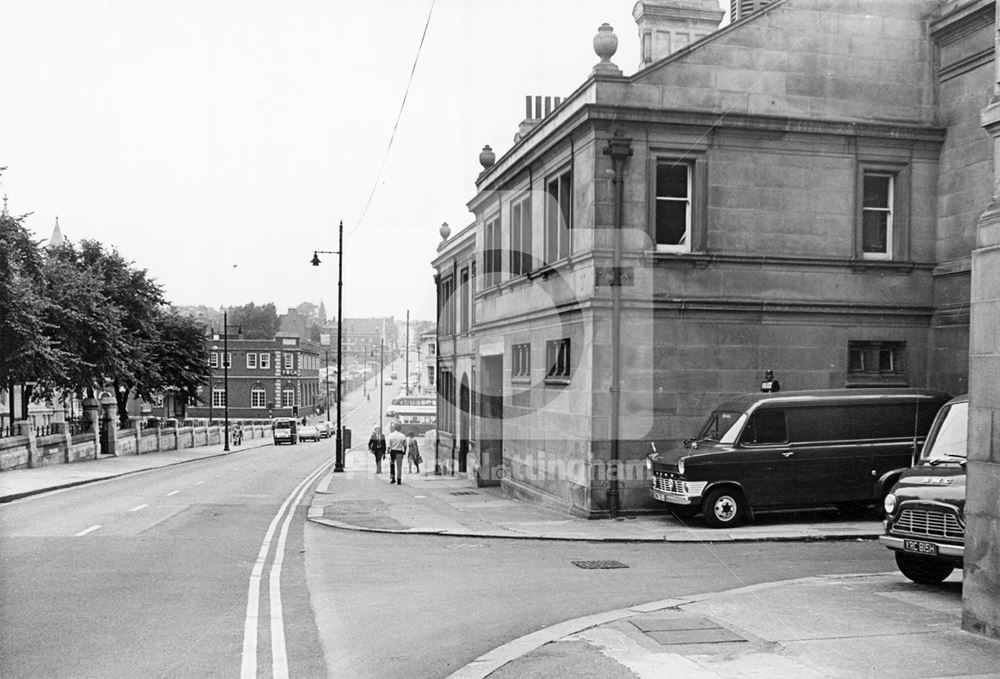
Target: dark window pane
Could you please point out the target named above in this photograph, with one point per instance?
(885, 361)
(671, 180)
(856, 359)
(876, 191)
(873, 231)
(766, 426)
(671, 222)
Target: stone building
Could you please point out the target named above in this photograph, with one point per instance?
(796, 191)
(801, 190)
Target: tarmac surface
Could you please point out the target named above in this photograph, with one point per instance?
(866, 625)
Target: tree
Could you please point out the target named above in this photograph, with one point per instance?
(28, 351)
(257, 322)
(181, 356)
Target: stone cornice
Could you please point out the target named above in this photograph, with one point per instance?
(965, 18)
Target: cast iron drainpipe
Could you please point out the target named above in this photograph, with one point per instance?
(619, 148)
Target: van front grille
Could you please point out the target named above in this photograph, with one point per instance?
(667, 484)
(929, 523)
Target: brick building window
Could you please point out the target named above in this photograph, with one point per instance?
(289, 361)
(251, 360)
(229, 360)
(288, 397)
(520, 360)
(258, 397)
(213, 360)
(520, 237)
(557, 357)
(874, 364)
(218, 397)
(265, 361)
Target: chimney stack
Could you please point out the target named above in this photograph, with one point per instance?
(667, 26)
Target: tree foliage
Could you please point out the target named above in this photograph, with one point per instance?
(257, 322)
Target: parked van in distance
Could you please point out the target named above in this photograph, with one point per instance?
(842, 447)
(284, 430)
(925, 511)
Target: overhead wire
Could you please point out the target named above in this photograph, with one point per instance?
(395, 126)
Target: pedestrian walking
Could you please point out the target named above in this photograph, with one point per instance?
(238, 434)
(376, 444)
(397, 449)
(413, 458)
(769, 384)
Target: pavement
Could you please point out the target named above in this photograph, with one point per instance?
(866, 625)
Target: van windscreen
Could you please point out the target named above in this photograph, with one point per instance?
(719, 424)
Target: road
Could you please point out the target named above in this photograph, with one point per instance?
(201, 570)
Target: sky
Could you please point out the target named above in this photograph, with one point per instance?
(218, 143)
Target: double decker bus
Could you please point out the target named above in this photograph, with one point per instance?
(414, 414)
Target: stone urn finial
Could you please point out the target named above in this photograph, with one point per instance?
(605, 46)
(445, 230)
(487, 158)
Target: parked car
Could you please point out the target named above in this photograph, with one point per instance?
(325, 429)
(925, 510)
(842, 447)
(284, 430)
(308, 432)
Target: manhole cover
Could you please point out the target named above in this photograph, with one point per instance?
(599, 564)
(464, 492)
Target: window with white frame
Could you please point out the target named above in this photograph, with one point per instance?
(492, 254)
(258, 397)
(466, 306)
(229, 360)
(265, 361)
(520, 237)
(520, 361)
(251, 360)
(877, 215)
(558, 217)
(289, 361)
(213, 360)
(218, 397)
(557, 357)
(288, 397)
(673, 206)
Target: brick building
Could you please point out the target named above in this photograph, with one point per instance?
(276, 377)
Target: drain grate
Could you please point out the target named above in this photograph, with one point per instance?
(599, 564)
(464, 492)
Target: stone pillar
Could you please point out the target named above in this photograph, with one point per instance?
(109, 425)
(981, 585)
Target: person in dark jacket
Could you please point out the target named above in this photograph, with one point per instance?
(376, 444)
(769, 383)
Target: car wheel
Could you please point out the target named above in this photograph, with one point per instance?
(723, 508)
(922, 570)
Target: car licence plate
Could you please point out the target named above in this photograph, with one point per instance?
(920, 547)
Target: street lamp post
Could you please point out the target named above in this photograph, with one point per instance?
(381, 379)
(338, 464)
(225, 374)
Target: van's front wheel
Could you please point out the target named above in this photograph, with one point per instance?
(724, 508)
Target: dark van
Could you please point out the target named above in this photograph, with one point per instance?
(285, 430)
(925, 511)
(843, 447)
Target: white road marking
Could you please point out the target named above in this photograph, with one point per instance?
(88, 530)
(135, 509)
(172, 493)
(199, 483)
(279, 660)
